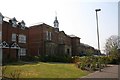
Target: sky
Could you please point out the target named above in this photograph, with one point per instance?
(75, 17)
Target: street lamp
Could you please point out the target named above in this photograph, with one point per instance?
(98, 36)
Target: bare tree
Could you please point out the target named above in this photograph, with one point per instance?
(111, 43)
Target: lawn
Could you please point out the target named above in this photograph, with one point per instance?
(45, 70)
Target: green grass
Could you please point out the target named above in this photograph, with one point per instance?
(46, 70)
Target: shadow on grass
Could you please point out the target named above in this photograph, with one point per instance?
(20, 63)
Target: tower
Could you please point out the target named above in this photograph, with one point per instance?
(56, 24)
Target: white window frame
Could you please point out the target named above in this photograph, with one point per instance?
(47, 35)
(22, 26)
(14, 37)
(22, 38)
(22, 52)
(50, 35)
(14, 23)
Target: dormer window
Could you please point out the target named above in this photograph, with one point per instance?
(14, 22)
(22, 24)
(22, 38)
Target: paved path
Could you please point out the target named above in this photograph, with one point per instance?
(108, 72)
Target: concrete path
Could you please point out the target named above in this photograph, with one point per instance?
(109, 72)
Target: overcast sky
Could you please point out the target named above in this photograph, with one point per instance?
(75, 16)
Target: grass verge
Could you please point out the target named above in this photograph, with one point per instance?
(45, 70)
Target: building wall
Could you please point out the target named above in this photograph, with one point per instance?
(48, 40)
(75, 41)
(36, 46)
(7, 31)
(41, 39)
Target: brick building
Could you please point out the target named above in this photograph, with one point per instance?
(18, 41)
(13, 39)
(47, 40)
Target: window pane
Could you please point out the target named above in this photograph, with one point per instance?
(46, 35)
(14, 24)
(22, 52)
(50, 35)
(13, 37)
(22, 39)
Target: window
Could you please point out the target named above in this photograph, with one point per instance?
(47, 35)
(14, 24)
(68, 51)
(22, 26)
(13, 37)
(22, 39)
(50, 34)
(22, 52)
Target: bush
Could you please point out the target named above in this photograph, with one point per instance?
(55, 58)
(75, 59)
(28, 58)
(91, 63)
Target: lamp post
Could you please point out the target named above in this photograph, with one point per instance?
(98, 36)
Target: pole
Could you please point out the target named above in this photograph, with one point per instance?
(98, 38)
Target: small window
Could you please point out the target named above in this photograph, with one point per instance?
(14, 22)
(13, 37)
(50, 34)
(47, 38)
(22, 23)
(22, 26)
(68, 51)
(22, 52)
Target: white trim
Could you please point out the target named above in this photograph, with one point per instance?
(15, 46)
(4, 45)
(22, 38)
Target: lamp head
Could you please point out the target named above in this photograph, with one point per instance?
(97, 10)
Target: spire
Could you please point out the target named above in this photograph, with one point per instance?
(56, 23)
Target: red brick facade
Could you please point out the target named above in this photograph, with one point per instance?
(14, 40)
(17, 40)
(45, 40)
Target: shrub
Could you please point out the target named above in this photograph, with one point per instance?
(75, 59)
(91, 63)
(28, 58)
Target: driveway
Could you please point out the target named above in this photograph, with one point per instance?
(110, 72)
